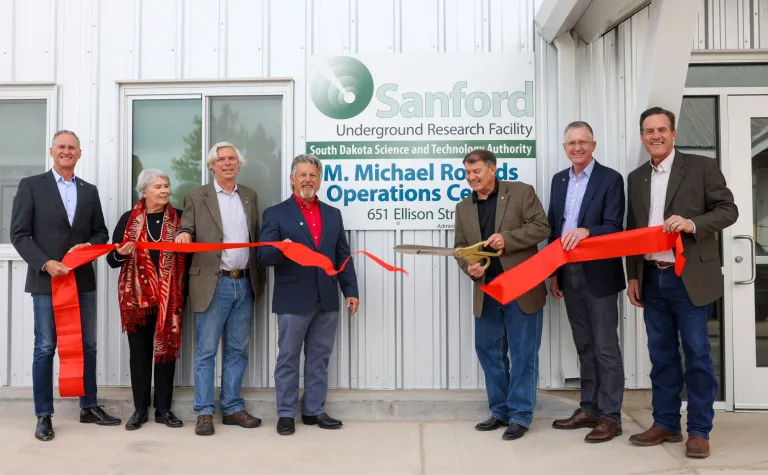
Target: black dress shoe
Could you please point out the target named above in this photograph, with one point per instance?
(168, 418)
(514, 431)
(490, 424)
(44, 429)
(285, 426)
(137, 419)
(323, 420)
(96, 415)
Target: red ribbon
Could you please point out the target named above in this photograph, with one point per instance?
(515, 282)
(66, 306)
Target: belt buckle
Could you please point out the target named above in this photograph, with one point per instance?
(234, 273)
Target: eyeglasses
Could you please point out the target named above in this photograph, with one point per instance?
(580, 143)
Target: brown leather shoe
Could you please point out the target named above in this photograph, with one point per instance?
(697, 447)
(655, 436)
(606, 430)
(242, 419)
(204, 425)
(578, 420)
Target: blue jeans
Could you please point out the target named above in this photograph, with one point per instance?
(504, 332)
(229, 315)
(45, 348)
(669, 310)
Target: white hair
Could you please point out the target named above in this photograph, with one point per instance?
(308, 158)
(147, 176)
(212, 154)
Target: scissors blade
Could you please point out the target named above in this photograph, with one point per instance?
(425, 250)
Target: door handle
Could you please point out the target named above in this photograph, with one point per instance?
(754, 261)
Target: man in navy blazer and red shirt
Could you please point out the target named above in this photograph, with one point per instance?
(306, 299)
(587, 200)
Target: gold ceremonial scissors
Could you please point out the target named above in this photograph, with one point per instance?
(472, 254)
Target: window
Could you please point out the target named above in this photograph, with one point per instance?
(727, 75)
(26, 125)
(172, 129)
(167, 135)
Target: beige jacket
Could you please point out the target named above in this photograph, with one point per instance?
(520, 218)
(202, 219)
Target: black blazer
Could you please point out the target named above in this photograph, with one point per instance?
(40, 230)
(602, 212)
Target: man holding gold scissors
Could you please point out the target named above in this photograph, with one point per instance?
(510, 220)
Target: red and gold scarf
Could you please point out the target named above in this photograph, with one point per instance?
(143, 289)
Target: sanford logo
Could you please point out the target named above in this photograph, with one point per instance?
(343, 88)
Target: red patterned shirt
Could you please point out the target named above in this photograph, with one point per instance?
(311, 213)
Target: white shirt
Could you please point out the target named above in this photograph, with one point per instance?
(659, 182)
(235, 225)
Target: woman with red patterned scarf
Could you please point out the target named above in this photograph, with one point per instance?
(151, 296)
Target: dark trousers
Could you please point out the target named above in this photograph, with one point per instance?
(141, 344)
(668, 311)
(594, 323)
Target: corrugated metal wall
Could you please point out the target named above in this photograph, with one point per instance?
(411, 332)
(732, 24)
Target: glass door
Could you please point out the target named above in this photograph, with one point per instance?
(748, 161)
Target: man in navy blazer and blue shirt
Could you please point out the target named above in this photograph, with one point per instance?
(587, 200)
(306, 299)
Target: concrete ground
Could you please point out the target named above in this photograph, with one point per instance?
(739, 445)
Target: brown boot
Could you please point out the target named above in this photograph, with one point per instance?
(578, 420)
(655, 436)
(242, 419)
(204, 425)
(606, 430)
(697, 447)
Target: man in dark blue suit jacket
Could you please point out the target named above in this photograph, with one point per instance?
(306, 299)
(587, 200)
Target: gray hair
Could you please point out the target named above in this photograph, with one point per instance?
(147, 176)
(212, 154)
(308, 158)
(577, 124)
(65, 132)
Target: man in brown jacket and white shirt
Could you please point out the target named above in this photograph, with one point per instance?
(223, 285)
(508, 217)
(686, 194)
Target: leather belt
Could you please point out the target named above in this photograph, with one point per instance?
(660, 264)
(235, 273)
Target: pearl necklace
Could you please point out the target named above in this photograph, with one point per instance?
(149, 233)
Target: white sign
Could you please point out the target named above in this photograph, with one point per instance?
(392, 131)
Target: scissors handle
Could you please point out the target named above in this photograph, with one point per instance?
(474, 254)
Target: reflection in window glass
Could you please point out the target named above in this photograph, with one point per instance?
(254, 125)
(697, 133)
(697, 126)
(168, 135)
(23, 128)
(760, 220)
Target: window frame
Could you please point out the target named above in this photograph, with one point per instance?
(32, 91)
(203, 90)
